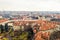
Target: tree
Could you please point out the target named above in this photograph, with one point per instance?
(6, 27)
(1, 28)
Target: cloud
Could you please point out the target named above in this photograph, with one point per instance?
(30, 5)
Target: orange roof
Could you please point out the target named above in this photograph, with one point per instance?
(41, 34)
(3, 20)
(44, 25)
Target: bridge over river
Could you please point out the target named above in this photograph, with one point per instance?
(18, 20)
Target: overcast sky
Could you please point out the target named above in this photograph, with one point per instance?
(30, 5)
